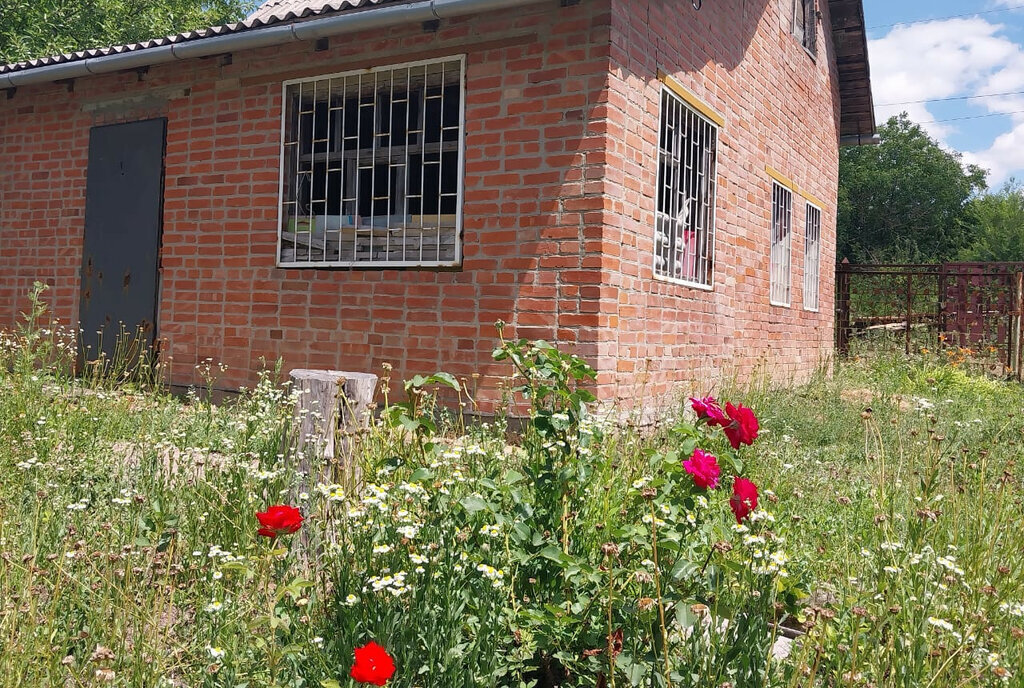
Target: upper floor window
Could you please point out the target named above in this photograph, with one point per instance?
(782, 239)
(371, 171)
(805, 24)
(812, 257)
(684, 234)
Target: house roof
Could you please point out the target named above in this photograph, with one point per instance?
(857, 111)
(848, 33)
(299, 8)
(268, 14)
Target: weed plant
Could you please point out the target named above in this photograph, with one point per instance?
(583, 553)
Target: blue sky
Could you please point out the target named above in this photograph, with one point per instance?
(946, 53)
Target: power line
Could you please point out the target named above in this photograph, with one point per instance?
(943, 100)
(952, 16)
(958, 119)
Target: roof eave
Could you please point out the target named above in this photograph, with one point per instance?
(849, 36)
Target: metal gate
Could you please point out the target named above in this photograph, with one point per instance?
(967, 310)
(123, 208)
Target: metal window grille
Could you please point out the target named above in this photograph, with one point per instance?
(812, 257)
(684, 233)
(805, 24)
(372, 167)
(782, 237)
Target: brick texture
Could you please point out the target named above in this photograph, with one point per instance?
(561, 153)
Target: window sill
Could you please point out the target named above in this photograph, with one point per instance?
(365, 265)
(684, 283)
(778, 304)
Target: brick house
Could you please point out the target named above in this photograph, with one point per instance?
(649, 182)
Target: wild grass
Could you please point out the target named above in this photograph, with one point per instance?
(887, 538)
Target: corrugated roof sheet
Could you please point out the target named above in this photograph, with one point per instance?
(272, 12)
(280, 8)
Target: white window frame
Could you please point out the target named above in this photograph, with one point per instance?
(706, 257)
(780, 289)
(812, 257)
(807, 34)
(456, 232)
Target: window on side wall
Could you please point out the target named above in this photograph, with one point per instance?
(812, 257)
(684, 234)
(371, 168)
(805, 24)
(782, 239)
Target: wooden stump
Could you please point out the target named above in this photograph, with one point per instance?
(330, 404)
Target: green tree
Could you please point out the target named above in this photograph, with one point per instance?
(906, 200)
(1000, 222)
(36, 28)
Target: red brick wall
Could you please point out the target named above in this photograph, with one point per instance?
(561, 132)
(781, 110)
(534, 78)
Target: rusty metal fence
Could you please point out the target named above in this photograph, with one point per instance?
(965, 311)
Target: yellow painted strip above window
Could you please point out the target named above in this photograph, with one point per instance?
(690, 99)
(791, 185)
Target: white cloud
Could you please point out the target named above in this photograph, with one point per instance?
(932, 60)
(1003, 158)
(948, 58)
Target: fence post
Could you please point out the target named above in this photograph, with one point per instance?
(1017, 326)
(910, 311)
(843, 307)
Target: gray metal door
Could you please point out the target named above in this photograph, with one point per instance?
(123, 208)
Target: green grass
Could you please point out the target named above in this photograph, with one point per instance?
(890, 504)
(912, 465)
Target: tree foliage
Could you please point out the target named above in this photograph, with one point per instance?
(906, 200)
(36, 28)
(1000, 225)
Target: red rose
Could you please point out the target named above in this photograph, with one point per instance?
(742, 427)
(708, 409)
(373, 665)
(704, 469)
(744, 498)
(279, 520)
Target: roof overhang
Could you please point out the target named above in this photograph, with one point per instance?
(333, 19)
(849, 36)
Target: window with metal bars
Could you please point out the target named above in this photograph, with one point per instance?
(371, 167)
(805, 24)
(812, 257)
(782, 239)
(684, 232)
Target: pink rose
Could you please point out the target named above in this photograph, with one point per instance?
(704, 469)
(708, 409)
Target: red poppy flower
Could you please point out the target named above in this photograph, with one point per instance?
(279, 520)
(744, 498)
(742, 426)
(708, 409)
(704, 469)
(373, 665)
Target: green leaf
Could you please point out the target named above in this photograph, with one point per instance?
(473, 504)
(329, 683)
(421, 474)
(555, 554)
(446, 379)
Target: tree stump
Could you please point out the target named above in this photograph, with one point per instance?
(330, 405)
